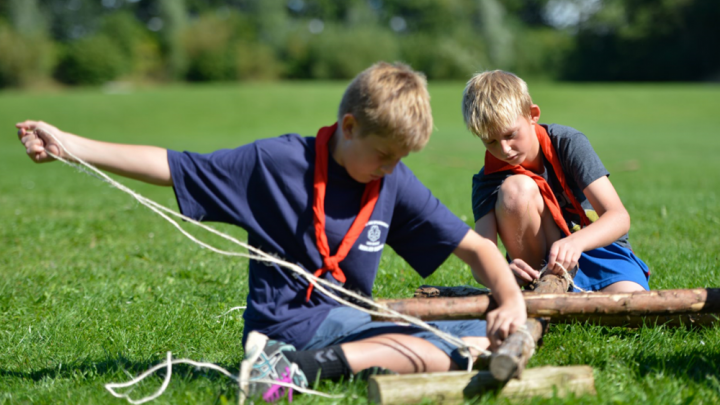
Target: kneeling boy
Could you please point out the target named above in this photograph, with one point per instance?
(544, 190)
(330, 204)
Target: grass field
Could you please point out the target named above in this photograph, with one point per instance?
(95, 288)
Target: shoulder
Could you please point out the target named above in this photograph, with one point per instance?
(569, 141)
(564, 133)
(286, 150)
(284, 144)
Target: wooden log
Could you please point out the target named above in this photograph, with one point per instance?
(551, 284)
(454, 387)
(430, 291)
(510, 359)
(644, 303)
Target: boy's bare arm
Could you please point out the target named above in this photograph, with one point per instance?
(144, 163)
(490, 269)
(613, 222)
(487, 227)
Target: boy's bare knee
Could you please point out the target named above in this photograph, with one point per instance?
(517, 194)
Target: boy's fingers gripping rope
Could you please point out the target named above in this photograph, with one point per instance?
(257, 254)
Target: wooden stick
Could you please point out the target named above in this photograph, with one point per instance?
(454, 387)
(644, 303)
(510, 359)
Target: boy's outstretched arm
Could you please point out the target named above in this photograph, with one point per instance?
(613, 222)
(490, 269)
(144, 163)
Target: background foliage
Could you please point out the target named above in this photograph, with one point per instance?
(95, 41)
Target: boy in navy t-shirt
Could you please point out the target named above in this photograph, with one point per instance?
(330, 204)
(544, 190)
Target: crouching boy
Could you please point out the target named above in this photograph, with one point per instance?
(330, 204)
(544, 190)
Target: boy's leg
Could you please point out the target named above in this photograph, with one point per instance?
(526, 227)
(402, 354)
(623, 287)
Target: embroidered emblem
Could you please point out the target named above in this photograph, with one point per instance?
(374, 233)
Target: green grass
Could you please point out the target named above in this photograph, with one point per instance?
(94, 287)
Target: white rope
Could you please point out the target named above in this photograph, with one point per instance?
(257, 254)
(111, 387)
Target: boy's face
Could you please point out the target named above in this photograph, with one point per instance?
(517, 145)
(367, 157)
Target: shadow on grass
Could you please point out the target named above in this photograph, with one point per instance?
(116, 367)
(694, 365)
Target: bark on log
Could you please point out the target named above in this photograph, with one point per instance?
(512, 356)
(644, 303)
(454, 387)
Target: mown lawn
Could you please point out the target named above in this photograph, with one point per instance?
(95, 288)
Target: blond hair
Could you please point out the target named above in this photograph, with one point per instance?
(493, 101)
(390, 100)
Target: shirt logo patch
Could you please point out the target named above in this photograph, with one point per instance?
(374, 233)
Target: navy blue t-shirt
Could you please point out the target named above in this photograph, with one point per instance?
(266, 188)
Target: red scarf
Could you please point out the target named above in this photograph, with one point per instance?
(369, 198)
(494, 165)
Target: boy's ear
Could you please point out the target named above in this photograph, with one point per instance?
(349, 126)
(535, 113)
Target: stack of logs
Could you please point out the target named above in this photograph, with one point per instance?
(549, 302)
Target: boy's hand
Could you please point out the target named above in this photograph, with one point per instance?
(504, 320)
(524, 274)
(564, 252)
(35, 136)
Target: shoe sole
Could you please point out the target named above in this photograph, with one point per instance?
(254, 346)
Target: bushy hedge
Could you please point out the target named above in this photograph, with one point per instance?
(338, 53)
(235, 45)
(91, 61)
(25, 60)
(140, 51)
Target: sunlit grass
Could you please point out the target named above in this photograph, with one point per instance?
(94, 287)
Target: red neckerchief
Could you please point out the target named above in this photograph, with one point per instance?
(494, 165)
(369, 198)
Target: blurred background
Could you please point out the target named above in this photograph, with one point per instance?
(54, 43)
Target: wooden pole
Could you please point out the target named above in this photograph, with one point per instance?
(454, 387)
(510, 359)
(567, 305)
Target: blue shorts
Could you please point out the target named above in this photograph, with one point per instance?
(607, 265)
(345, 324)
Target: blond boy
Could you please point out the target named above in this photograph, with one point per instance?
(330, 204)
(544, 190)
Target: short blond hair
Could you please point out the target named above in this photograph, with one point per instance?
(390, 100)
(493, 101)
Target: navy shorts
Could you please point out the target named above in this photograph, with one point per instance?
(607, 265)
(345, 324)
